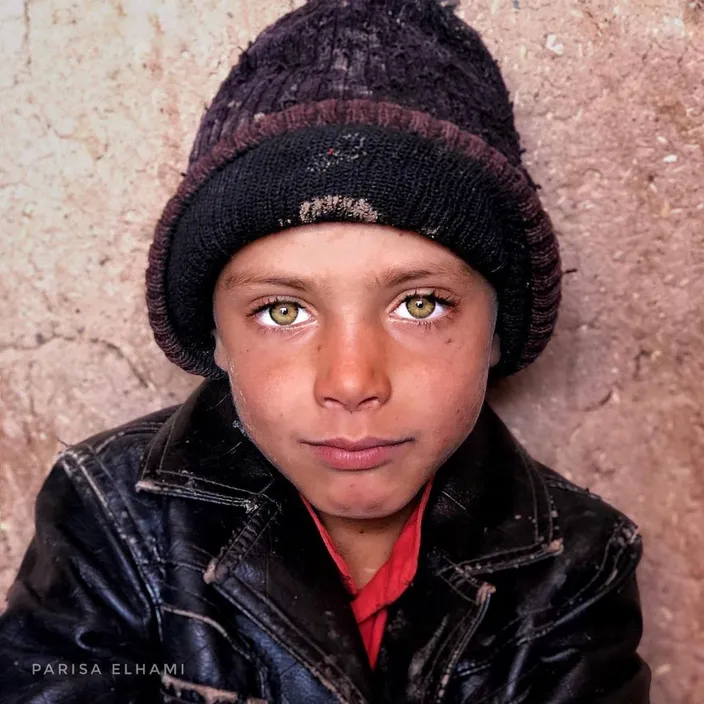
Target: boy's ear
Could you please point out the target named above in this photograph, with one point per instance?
(495, 350)
(219, 355)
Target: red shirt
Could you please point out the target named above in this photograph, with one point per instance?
(370, 603)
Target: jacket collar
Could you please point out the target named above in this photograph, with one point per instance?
(193, 453)
(488, 510)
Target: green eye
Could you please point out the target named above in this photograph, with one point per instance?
(420, 306)
(283, 313)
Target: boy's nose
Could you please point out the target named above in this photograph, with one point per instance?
(352, 368)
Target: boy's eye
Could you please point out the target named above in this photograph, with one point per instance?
(281, 314)
(420, 307)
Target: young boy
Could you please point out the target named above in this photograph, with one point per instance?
(335, 514)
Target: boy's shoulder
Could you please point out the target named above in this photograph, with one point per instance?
(186, 450)
(583, 513)
(124, 445)
(144, 426)
(597, 551)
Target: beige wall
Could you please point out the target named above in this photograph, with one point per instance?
(100, 101)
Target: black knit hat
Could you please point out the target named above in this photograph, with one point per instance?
(384, 111)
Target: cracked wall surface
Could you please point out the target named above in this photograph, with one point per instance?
(100, 103)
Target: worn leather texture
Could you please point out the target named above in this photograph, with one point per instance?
(173, 563)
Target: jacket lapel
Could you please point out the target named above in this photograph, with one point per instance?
(198, 454)
(492, 509)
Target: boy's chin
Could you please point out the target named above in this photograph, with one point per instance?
(374, 506)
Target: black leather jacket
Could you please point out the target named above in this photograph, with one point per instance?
(173, 563)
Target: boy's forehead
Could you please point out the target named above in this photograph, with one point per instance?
(380, 256)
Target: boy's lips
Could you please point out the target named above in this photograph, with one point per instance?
(356, 445)
(358, 454)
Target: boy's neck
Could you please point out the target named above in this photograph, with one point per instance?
(366, 544)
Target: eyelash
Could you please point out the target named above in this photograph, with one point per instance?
(448, 302)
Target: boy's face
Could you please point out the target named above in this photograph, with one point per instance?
(332, 347)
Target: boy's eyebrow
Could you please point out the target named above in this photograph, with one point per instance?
(388, 278)
(236, 280)
(395, 276)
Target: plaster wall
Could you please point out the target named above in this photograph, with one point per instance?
(100, 102)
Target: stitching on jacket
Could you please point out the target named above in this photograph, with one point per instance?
(154, 557)
(251, 657)
(497, 560)
(313, 667)
(235, 537)
(187, 565)
(478, 615)
(563, 611)
(214, 624)
(607, 588)
(615, 534)
(79, 461)
(134, 430)
(575, 596)
(166, 444)
(454, 653)
(212, 481)
(525, 554)
(568, 486)
(457, 569)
